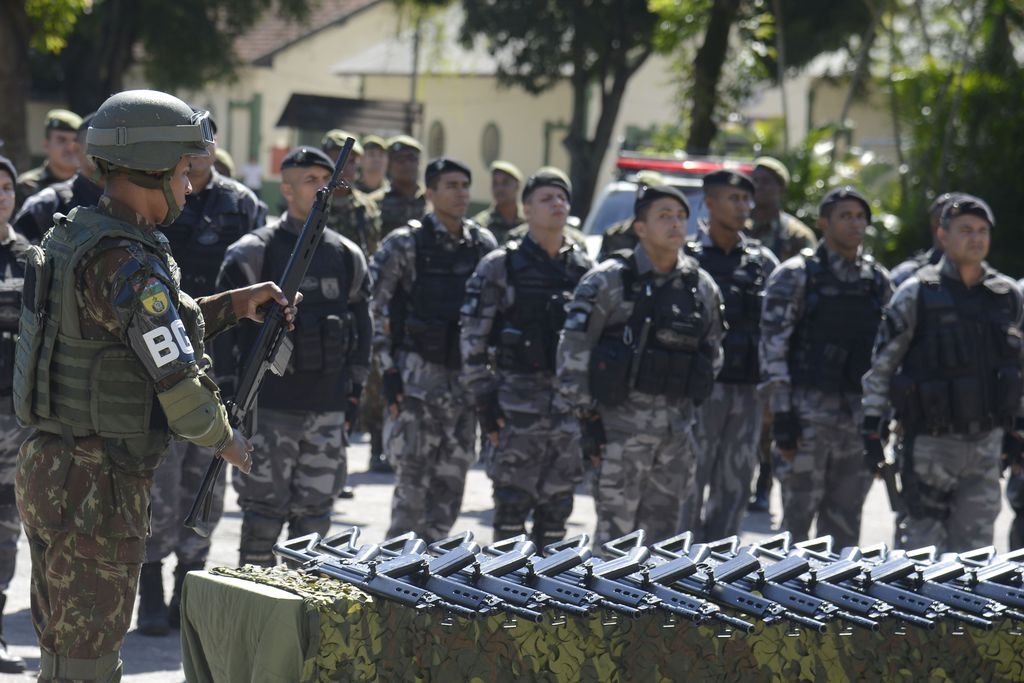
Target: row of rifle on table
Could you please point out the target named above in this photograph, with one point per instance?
(804, 585)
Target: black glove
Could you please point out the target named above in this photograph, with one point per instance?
(391, 386)
(786, 430)
(352, 407)
(871, 433)
(592, 436)
(1013, 445)
(488, 412)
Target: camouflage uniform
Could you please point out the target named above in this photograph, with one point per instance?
(433, 438)
(956, 472)
(571, 234)
(357, 217)
(617, 237)
(537, 462)
(396, 210)
(827, 478)
(785, 236)
(491, 219)
(647, 470)
(36, 215)
(84, 498)
(903, 271)
(728, 428)
(299, 463)
(1015, 496)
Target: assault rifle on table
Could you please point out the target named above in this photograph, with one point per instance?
(273, 348)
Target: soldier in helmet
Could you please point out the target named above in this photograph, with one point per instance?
(947, 358)
(505, 211)
(83, 189)
(125, 370)
(419, 284)
(217, 212)
(404, 199)
(821, 311)
(299, 448)
(61, 148)
(641, 345)
(515, 301)
(353, 214)
(12, 271)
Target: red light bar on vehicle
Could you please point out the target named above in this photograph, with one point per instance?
(687, 166)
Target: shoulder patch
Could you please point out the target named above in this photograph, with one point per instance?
(153, 297)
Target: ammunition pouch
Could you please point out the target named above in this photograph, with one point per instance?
(436, 341)
(610, 363)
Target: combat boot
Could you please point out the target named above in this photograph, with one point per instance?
(174, 608)
(152, 620)
(9, 664)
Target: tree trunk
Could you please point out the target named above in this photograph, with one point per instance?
(14, 81)
(707, 70)
(99, 52)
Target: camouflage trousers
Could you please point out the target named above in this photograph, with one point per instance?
(959, 492)
(299, 467)
(646, 474)
(82, 601)
(1015, 496)
(175, 484)
(727, 434)
(371, 403)
(433, 446)
(535, 468)
(827, 480)
(11, 437)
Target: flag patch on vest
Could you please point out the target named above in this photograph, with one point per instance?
(154, 297)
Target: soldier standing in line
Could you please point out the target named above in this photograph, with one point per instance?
(419, 287)
(515, 302)
(621, 235)
(505, 211)
(129, 335)
(728, 428)
(353, 214)
(785, 235)
(12, 275)
(373, 168)
(299, 464)
(83, 189)
(217, 212)
(948, 360)
(61, 150)
(404, 200)
(821, 313)
(925, 257)
(642, 344)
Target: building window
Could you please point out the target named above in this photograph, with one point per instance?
(435, 140)
(490, 143)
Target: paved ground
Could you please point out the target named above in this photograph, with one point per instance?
(157, 660)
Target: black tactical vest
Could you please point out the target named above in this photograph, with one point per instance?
(210, 222)
(12, 276)
(740, 276)
(529, 330)
(962, 371)
(662, 339)
(427, 318)
(316, 379)
(831, 346)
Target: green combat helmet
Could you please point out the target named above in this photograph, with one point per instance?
(142, 134)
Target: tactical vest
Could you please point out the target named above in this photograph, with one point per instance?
(316, 379)
(11, 282)
(661, 344)
(831, 346)
(63, 383)
(740, 277)
(210, 222)
(962, 371)
(426, 319)
(529, 330)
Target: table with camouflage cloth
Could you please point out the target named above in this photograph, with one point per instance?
(254, 624)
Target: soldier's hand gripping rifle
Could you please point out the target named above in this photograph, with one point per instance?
(273, 348)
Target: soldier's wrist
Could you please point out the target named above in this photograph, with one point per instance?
(224, 442)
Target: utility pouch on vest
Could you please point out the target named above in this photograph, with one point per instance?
(31, 332)
(832, 370)
(935, 408)
(903, 394)
(509, 343)
(6, 367)
(429, 338)
(967, 401)
(610, 362)
(309, 354)
(1007, 391)
(740, 362)
(334, 341)
(702, 379)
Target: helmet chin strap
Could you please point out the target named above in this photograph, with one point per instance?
(149, 181)
(173, 210)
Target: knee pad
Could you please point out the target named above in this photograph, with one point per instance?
(259, 533)
(511, 508)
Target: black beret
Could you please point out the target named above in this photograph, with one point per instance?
(444, 165)
(8, 165)
(729, 178)
(646, 194)
(548, 177)
(967, 204)
(304, 157)
(838, 194)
